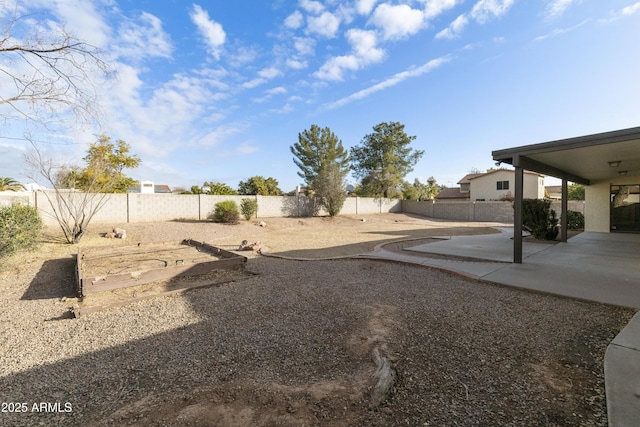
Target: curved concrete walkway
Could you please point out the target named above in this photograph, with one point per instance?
(600, 267)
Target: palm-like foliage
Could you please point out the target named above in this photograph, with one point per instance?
(10, 184)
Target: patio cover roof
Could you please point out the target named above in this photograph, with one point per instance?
(582, 159)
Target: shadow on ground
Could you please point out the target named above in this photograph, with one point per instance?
(55, 279)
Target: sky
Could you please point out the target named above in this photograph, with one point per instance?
(220, 90)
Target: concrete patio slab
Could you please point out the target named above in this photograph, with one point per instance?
(599, 267)
(490, 247)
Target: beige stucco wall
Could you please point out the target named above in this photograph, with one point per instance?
(597, 212)
(484, 187)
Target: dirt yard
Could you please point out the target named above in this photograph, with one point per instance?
(299, 340)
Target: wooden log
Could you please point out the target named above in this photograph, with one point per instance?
(385, 378)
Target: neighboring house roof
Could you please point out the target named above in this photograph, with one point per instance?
(161, 188)
(452, 193)
(467, 178)
(553, 189)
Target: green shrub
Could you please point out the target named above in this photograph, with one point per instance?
(248, 207)
(539, 219)
(575, 220)
(226, 212)
(20, 228)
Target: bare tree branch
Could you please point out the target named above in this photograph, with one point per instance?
(46, 75)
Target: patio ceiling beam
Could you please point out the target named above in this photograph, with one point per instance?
(529, 164)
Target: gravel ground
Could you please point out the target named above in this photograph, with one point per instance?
(294, 344)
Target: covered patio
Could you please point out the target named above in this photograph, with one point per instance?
(601, 162)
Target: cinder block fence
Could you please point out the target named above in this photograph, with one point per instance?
(136, 207)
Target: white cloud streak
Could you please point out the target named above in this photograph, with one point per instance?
(213, 33)
(556, 8)
(434, 8)
(624, 12)
(391, 81)
(560, 31)
(454, 29)
(484, 10)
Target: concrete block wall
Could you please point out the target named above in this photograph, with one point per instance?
(123, 208)
(493, 212)
(161, 207)
(8, 198)
(475, 211)
(113, 210)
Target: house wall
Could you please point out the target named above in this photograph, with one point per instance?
(484, 187)
(597, 215)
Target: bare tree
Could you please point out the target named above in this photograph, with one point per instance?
(73, 210)
(46, 73)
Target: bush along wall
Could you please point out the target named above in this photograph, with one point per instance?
(226, 212)
(539, 219)
(575, 220)
(20, 228)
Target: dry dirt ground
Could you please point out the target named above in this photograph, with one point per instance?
(297, 342)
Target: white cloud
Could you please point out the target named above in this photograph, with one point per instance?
(243, 55)
(212, 31)
(334, 68)
(277, 91)
(264, 76)
(625, 11)
(253, 83)
(364, 7)
(364, 52)
(481, 12)
(397, 21)
(269, 73)
(297, 65)
(454, 29)
(484, 10)
(557, 7)
(295, 20)
(312, 6)
(631, 10)
(364, 44)
(434, 8)
(304, 45)
(392, 81)
(326, 24)
(143, 38)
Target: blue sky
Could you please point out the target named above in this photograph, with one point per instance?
(219, 90)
